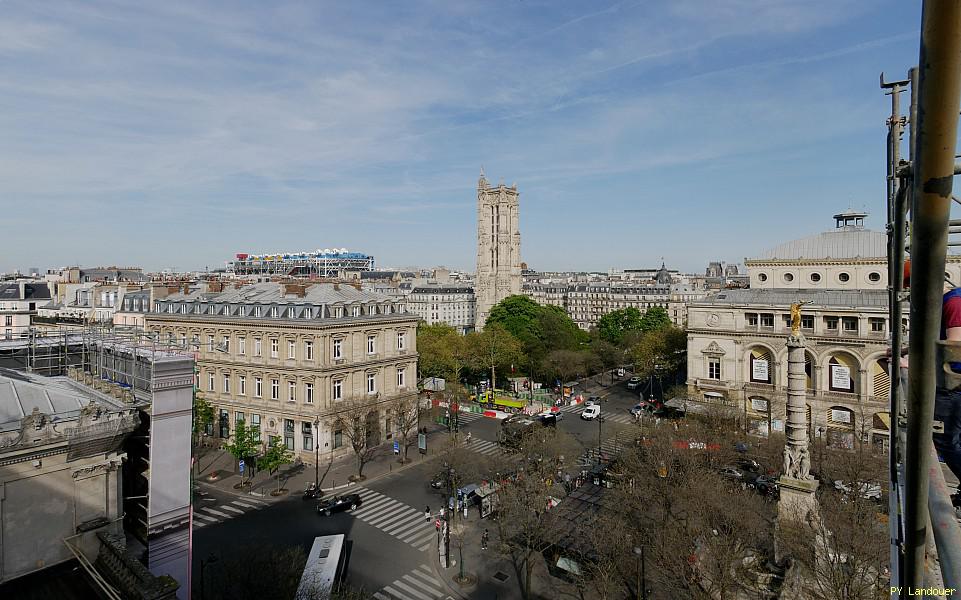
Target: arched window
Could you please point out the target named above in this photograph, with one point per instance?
(842, 374)
(761, 365)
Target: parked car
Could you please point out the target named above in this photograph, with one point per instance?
(338, 504)
(633, 383)
(731, 473)
(591, 412)
(642, 408)
(749, 464)
(594, 400)
(871, 491)
(669, 412)
(766, 485)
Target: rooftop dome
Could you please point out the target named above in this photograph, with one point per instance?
(849, 239)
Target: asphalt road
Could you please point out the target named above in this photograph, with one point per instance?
(391, 539)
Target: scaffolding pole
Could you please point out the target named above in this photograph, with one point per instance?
(939, 97)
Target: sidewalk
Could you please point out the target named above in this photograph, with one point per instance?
(217, 468)
(490, 573)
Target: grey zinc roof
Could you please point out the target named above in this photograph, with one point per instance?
(270, 292)
(845, 298)
(31, 291)
(20, 393)
(837, 243)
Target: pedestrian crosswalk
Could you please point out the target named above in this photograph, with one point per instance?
(395, 519)
(419, 584)
(467, 417)
(484, 447)
(609, 448)
(209, 515)
(624, 417)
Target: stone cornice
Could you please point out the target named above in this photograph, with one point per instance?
(319, 369)
(814, 262)
(264, 323)
(782, 339)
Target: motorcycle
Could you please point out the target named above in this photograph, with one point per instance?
(312, 491)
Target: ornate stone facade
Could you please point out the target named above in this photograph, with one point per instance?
(498, 246)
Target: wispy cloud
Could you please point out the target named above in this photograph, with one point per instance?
(212, 125)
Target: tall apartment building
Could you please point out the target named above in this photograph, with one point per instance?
(289, 358)
(444, 303)
(588, 302)
(498, 246)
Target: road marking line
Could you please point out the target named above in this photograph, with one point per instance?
(394, 592)
(405, 534)
(199, 524)
(373, 505)
(399, 583)
(388, 513)
(232, 509)
(397, 523)
(206, 518)
(409, 578)
(216, 512)
(426, 538)
(387, 508)
(366, 492)
(424, 548)
(245, 505)
(428, 573)
(257, 502)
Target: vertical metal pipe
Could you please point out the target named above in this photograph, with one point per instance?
(939, 96)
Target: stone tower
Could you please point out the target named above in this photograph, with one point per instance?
(498, 246)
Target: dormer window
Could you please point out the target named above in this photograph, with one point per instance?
(356, 311)
(308, 313)
(256, 311)
(292, 312)
(274, 311)
(339, 312)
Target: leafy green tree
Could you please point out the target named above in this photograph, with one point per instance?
(655, 318)
(540, 329)
(203, 414)
(615, 324)
(518, 315)
(275, 457)
(440, 349)
(243, 443)
(493, 348)
(659, 349)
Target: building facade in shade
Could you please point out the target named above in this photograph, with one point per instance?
(444, 303)
(737, 356)
(289, 358)
(498, 246)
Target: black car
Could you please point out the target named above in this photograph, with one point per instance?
(338, 504)
(668, 412)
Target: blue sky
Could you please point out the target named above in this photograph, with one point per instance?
(170, 134)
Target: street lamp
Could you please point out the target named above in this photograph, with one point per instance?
(641, 573)
(317, 453)
(600, 420)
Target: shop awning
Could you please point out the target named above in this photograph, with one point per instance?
(884, 419)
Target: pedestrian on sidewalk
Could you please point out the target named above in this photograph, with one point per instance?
(484, 539)
(427, 514)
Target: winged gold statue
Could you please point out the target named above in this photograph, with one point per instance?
(796, 316)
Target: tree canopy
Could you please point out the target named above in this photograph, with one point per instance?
(615, 324)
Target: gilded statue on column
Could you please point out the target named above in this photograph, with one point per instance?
(796, 317)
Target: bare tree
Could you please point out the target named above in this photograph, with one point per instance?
(355, 422)
(405, 414)
(525, 524)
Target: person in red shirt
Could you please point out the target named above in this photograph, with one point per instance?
(947, 402)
